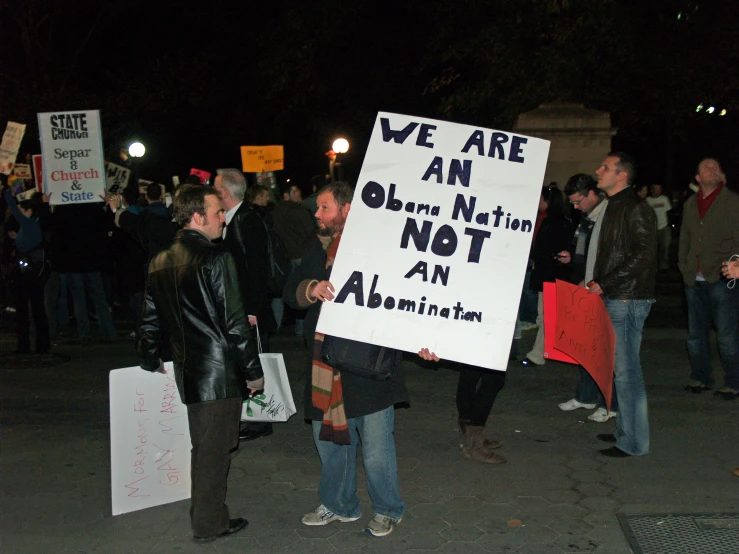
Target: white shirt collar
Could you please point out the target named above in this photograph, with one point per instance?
(229, 216)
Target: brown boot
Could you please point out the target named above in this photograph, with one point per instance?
(489, 444)
(473, 447)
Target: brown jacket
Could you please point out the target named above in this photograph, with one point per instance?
(626, 265)
(711, 240)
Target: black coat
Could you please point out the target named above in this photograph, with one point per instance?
(80, 241)
(295, 226)
(362, 396)
(192, 294)
(246, 239)
(626, 265)
(153, 228)
(553, 237)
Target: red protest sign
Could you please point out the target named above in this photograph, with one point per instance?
(550, 326)
(584, 331)
(38, 171)
(200, 174)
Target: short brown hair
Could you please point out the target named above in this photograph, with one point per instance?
(255, 191)
(190, 200)
(340, 190)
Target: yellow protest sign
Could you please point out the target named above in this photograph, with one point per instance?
(256, 159)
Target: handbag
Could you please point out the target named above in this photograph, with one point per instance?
(360, 358)
(275, 402)
(30, 268)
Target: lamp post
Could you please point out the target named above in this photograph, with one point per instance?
(340, 146)
(136, 150)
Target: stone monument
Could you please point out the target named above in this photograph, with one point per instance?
(580, 138)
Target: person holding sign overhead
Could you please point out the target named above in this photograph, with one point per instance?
(193, 295)
(624, 274)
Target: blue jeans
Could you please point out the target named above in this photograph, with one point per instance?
(706, 302)
(93, 283)
(632, 422)
(338, 485)
(588, 392)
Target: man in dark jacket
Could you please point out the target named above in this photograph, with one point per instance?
(624, 274)
(296, 227)
(709, 236)
(245, 236)
(152, 227)
(582, 190)
(367, 410)
(192, 295)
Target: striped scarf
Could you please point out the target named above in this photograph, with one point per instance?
(326, 392)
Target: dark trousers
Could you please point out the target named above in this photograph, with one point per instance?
(33, 292)
(476, 392)
(214, 432)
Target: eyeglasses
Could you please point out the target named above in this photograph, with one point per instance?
(577, 202)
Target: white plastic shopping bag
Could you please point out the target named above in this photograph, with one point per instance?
(275, 403)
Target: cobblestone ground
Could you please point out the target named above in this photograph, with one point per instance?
(555, 494)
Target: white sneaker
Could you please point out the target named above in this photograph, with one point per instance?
(324, 516)
(574, 405)
(601, 415)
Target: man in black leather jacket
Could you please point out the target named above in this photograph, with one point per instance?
(624, 274)
(192, 295)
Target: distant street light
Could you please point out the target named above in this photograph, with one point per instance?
(137, 150)
(340, 146)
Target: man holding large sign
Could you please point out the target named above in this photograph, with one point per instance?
(456, 207)
(193, 297)
(72, 150)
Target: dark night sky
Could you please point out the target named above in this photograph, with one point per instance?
(195, 83)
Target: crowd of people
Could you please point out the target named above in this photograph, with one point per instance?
(200, 276)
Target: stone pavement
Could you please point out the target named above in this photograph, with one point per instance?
(554, 495)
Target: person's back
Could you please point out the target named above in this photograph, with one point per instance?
(295, 226)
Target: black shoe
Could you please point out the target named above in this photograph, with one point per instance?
(606, 437)
(528, 363)
(614, 452)
(234, 526)
(248, 435)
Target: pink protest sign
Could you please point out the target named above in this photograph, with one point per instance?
(200, 174)
(584, 331)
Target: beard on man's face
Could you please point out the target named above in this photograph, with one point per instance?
(332, 226)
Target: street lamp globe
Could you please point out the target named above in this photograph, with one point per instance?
(340, 146)
(137, 150)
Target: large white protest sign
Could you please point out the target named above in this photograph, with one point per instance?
(435, 247)
(149, 440)
(72, 150)
(10, 145)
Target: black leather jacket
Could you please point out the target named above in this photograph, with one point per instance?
(626, 266)
(192, 293)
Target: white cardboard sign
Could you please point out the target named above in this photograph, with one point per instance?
(434, 251)
(10, 145)
(72, 150)
(149, 440)
(116, 177)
